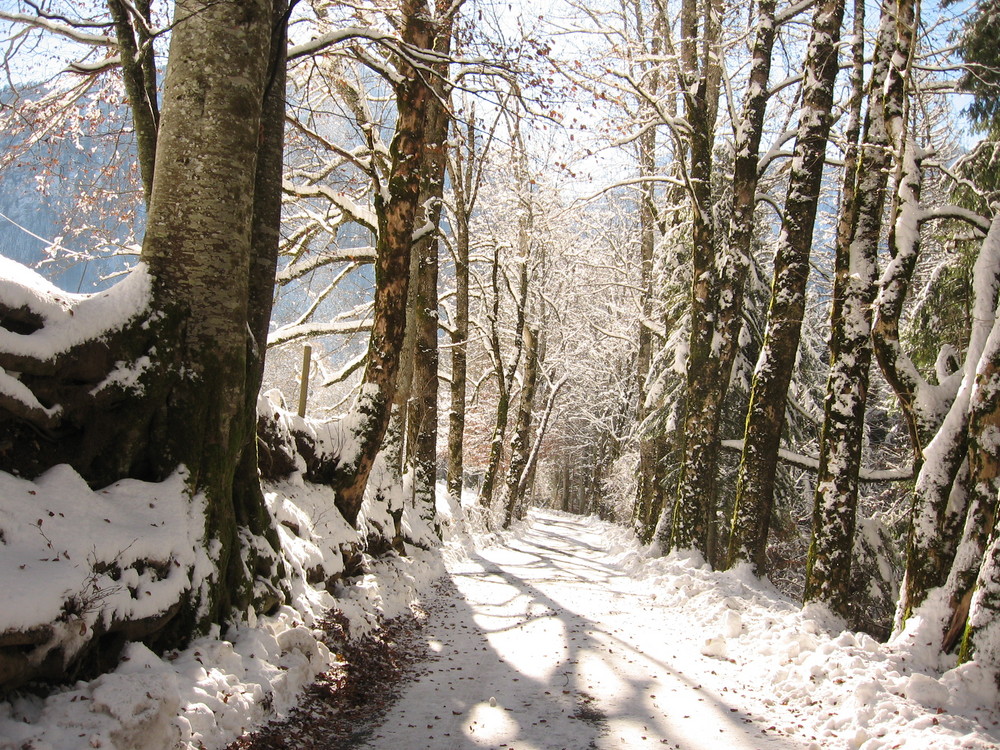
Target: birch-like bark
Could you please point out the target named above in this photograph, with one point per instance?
(972, 575)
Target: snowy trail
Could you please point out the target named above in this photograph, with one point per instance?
(545, 643)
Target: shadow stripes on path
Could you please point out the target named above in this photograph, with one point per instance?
(545, 644)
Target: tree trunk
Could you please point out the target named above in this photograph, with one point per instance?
(210, 251)
(505, 377)
(459, 355)
(953, 488)
(265, 238)
(973, 577)
(503, 390)
(520, 448)
(423, 419)
(139, 75)
(766, 414)
(649, 490)
(693, 511)
(721, 312)
(828, 571)
(980, 638)
(396, 206)
(199, 249)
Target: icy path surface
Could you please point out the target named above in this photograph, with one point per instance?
(546, 644)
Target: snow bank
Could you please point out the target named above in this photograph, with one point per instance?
(54, 530)
(842, 689)
(67, 319)
(76, 556)
(829, 687)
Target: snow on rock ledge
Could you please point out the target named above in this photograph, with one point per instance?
(65, 320)
(75, 561)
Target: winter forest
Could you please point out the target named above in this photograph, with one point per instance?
(304, 303)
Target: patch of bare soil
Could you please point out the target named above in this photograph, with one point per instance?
(340, 710)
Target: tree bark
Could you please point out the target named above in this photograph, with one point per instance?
(396, 206)
(466, 172)
(953, 488)
(199, 250)
(520, 448)
(828, 571)
(135, 47)
(693, 513)
(972, 584)
(649, 491)
(505, 375)
(766, 414)
(710, 364)
(423, 418)
(459, 346)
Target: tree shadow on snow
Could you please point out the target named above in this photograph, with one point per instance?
(513, 666)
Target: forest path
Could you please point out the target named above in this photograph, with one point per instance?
(545, 643)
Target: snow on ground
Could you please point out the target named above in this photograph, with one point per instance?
(568, 636)
(571, 636)
(59, 541)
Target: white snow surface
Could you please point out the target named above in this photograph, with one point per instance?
(569, 634)
(68, 319)
(572, 636)
(56, 537)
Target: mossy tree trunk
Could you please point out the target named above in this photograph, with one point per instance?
(718, 313)
(693, 510)
(973, 584)
(211, 246)
(828, 571)
(766, 413)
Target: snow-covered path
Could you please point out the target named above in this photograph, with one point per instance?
(546, 643)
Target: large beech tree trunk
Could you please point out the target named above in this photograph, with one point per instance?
(210, 250)
(210, 246)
